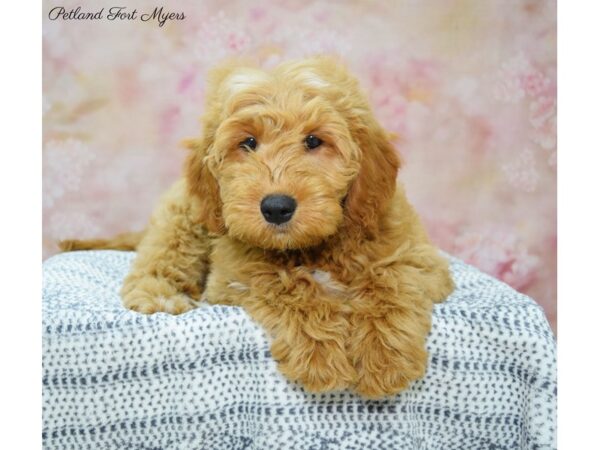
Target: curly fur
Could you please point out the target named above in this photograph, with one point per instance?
(346, 288)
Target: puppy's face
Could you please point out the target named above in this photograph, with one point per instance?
(284, 159)
(283, 153)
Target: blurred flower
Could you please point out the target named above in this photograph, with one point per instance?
(545, 137)
(220, 37)
(541, 109)
(66, 225)
(508, 87)
(65, 164)
(57, 42)
(500, 253)
(299, 40)
(522, 173)
(535, 83)
(518, 78)
(467, 91)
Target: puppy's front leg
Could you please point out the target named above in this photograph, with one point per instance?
(392, 306)
(309, 328)
(172, 261)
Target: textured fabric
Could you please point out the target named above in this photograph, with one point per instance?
(205, 380)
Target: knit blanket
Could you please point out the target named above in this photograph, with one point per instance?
(116, 379)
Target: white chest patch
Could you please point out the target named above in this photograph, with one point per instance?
(238, 286)
(320, 276)
(328, 283)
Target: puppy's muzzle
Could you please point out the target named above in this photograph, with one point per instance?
(277, 208)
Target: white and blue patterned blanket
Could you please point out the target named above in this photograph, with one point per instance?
(115, 379)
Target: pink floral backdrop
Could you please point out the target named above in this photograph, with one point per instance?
(469, 85)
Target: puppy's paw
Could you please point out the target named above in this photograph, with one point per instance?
(148, 304)
(387, 361)
(148, 296)
(390, 379)
(320, 366)
(387, 372)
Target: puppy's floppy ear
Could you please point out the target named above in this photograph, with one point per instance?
(203, 185)
(375, 185)
(373, 189)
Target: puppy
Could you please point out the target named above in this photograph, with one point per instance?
(289, 207)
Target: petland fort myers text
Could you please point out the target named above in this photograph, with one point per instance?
(115, 13)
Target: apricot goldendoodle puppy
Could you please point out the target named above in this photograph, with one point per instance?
(289, 207)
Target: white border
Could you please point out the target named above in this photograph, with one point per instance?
(20, 226)
(578, 224)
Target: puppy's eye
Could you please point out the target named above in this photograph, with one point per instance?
(312, 141)
(249, 144)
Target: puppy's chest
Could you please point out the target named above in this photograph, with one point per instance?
(241, 282)
(330, 284)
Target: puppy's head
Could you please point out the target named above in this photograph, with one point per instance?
(290, 156)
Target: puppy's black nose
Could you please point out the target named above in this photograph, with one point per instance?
(277, 208)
